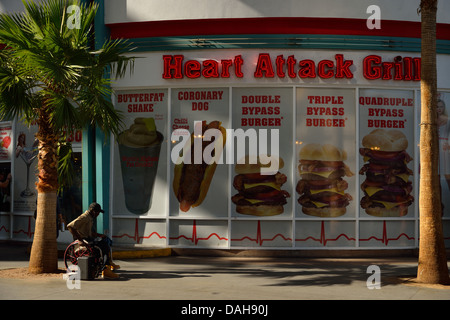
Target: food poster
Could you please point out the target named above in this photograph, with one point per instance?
(325, 153)
(140, 154)
(262, 170)
(386, 150)
(6, 143)
(198, 170)
(25, 167)
(443, 123)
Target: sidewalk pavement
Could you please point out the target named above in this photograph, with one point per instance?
(222, 278)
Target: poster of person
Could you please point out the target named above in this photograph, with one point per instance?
(25, 167)
(140, 157)
(198, 185)
(262, 128)
(386, 152)
(443, 125)
(325, 153)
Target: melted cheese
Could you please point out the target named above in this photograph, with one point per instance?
(325, 174)
(389, 205)
(403, 176)
(269, 184)
(372, 190)
(329, 190)
(253, 201)
(319, 204)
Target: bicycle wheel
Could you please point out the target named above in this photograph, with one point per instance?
(73, 252)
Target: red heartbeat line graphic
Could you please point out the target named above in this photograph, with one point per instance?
(385, 239)
(259, 240)
(194, 238)
(323, 240)
(29, 233)
(136, 236)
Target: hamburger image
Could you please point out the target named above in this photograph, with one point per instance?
(387, 187)
(259, 194)
(321, 186)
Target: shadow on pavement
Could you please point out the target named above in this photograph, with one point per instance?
(288, 272)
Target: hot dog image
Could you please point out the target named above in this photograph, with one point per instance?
(192, 180)
(321, 186)
(387, 187)
(259, 194)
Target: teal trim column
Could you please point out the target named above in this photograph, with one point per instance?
(88, 164)
(102, 176)
(102, 143)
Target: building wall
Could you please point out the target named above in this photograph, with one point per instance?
(223, 30)
(118, 11)
(248, 30)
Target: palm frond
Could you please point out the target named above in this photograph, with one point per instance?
(64, 112)
(112, 54)
(65, 165)
(48, 57)
(16, 88)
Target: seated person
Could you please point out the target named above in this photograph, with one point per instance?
(82, 230)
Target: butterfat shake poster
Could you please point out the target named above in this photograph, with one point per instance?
(140, 163)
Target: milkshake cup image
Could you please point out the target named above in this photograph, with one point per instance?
(139, 148)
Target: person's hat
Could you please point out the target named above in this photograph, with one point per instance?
(94, 206)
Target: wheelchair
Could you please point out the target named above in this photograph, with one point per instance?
(79, 249)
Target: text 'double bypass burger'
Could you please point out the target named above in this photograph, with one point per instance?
(321, 186)
(387, 187)
(259, 194)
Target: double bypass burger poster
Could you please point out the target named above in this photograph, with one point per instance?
(341, 153)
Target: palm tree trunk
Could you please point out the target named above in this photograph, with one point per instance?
(432, 266)
(44, 252)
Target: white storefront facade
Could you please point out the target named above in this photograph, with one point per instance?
(278, 76)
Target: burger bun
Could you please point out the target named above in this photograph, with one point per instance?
(385, 140)
(252, 164)
(325, 212)
(325, 152)
(261, 210)
(398, 211)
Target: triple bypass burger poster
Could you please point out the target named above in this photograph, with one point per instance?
(345, 167)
